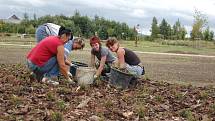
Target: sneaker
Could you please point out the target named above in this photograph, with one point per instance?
(71, 81)
(49, 81)
(55, 83)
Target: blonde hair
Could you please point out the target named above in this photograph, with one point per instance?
(111, 41)
(80, 41)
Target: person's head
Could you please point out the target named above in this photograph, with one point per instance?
(95, 43)
(64, 34)
(113, 44)
(78, 43)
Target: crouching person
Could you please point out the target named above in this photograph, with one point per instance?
(127, 59)
(104, 56)
(47, 58)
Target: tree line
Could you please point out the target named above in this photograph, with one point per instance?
(80, 25)
(200, 29)
(86, 27)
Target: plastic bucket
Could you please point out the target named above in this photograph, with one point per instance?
(121, 79)
(84, 75)
(74, 68)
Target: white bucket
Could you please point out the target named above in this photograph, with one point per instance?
(84, 75)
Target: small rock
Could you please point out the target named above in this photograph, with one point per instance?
(137, 119)
(99, 94)
(166, 107)
(83, 103)
(78, 88)
(95, 118)
(81, 120)
(127, 114)
(205, 118)
(9, 111)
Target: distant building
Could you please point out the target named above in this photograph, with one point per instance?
(12, 19)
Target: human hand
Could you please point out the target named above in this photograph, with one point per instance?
(72, 64)
(69, 74)
(70, 81)
(95, 77)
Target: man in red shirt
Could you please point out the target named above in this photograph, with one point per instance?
(46, 59)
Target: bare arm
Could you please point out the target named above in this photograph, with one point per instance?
(101, 66)
(121, 58)
(61, 62)
(67, 62)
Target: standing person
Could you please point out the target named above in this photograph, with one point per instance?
(50, 29)
(103, 54)
(47, 58)
(127, 59)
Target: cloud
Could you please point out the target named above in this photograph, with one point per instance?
(130, 11)
(137, 13)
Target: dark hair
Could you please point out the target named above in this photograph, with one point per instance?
(111, 41)
(94, 40)
(63, 30)
(80, 41)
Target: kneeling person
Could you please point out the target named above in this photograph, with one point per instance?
(127, 59)
(103, 54)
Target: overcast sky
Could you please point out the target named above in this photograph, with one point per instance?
(132, 12)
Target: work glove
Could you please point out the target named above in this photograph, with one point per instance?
(73, 65)
(69, 74)
(70, 81)
(95, 77)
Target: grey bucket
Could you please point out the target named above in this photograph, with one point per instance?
(121, 79)
(73, 69)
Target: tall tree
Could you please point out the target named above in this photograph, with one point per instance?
(169, 31)
(211, 36)
(200, 21)
(177, 29)
(154, 28)
(164, 28)
(183, 33)
(206, 34)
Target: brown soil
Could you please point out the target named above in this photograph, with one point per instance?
(175, 69)
(23, 98)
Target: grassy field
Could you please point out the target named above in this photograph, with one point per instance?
(204, 48)
(169, 46)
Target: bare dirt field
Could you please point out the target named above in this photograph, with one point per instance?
(153, 99)
(189, 70)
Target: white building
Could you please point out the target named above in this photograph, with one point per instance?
(12, 19)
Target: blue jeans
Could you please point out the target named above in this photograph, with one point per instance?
(135, 69)
(50, 69)
(41, 33)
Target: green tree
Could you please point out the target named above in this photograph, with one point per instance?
(206, 34)
(110, 32)
(2, 25)
(102, 32)
(183, 33)
(154, 28)
(177, 29)
(200, 21)
(30, 29)
(164, 28)
(211, 35)
(169, 31)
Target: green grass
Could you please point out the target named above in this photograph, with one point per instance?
(171, 46)
(206, 48)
